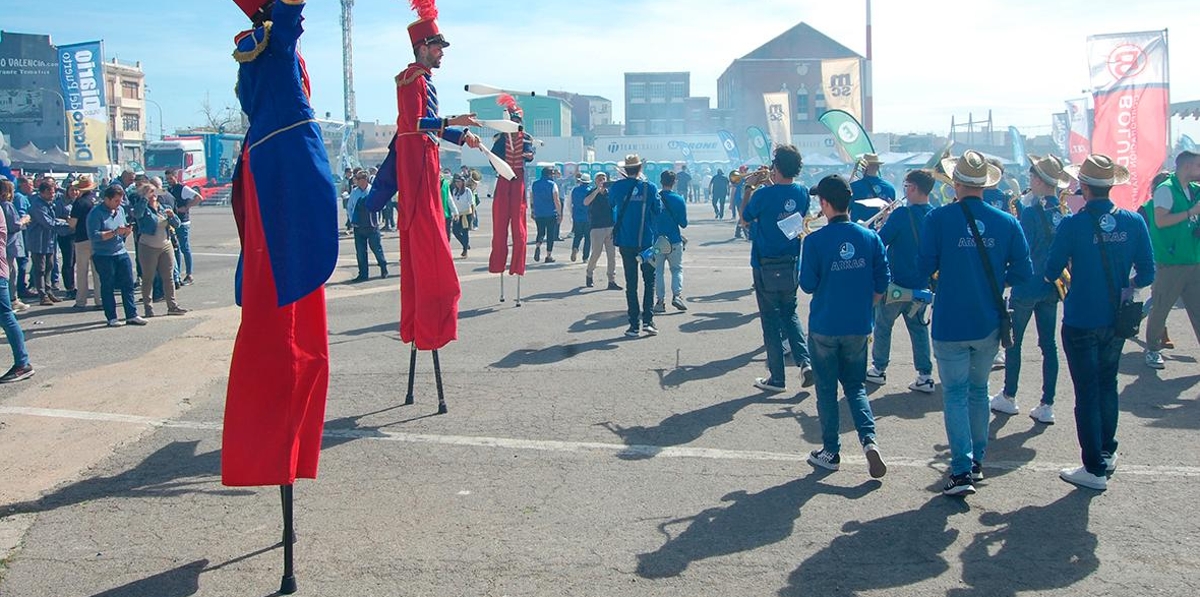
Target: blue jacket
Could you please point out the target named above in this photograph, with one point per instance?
(579, 211)
(148, 219)
(13, 246)
(901, 234)
(636, 207)
(963, 307)
(542, 194)
(1039, 225)
(866, 188)
(673, 216)
(843, 267)
(1089, 304)
(767, 206)
(361, 216)
(41, 237)
(101, 219)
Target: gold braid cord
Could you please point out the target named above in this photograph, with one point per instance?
(409, 75)
(259, 46)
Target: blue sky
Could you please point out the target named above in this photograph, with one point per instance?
(933, 58)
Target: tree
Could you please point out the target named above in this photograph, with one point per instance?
(224, 119)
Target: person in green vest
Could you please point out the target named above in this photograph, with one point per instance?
(1175, 236)
(448, 208)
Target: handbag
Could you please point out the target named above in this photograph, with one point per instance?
(1004, 331)
(778, 274)
(1128, 313)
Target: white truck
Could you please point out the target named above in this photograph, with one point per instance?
(185, 154)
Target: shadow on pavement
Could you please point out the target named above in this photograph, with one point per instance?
(1169, 403)
(907, 405)
(688, 373)
(730, 296)
(683, 428)
(33, 330)
(607, 320)
(711, 322)
(748, 522)
(549, 296)
(1010, 448)
(176, 582)
(1036, 548)
(173, 470)
(555, 354)
(894, 551)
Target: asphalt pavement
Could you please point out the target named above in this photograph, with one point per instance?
(573, 461)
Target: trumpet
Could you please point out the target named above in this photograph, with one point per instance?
(735, 177)
(876, 221)
(860, 168)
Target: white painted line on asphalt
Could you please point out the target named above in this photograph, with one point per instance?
(633, 452)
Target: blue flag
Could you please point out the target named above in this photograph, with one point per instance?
(731, 148)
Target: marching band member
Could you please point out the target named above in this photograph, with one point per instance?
(1103, 244)
(901, 234)
(1036, 298)
(868, 187)
(968, 315)
(845, 269)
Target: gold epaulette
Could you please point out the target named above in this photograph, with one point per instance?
(259, 46)
(409, 75)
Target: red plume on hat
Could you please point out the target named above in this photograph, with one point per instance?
(250, 7)
(425, 29)
(509, 103)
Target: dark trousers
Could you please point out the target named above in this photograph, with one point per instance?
(581, 232)
(718, 204)
(462, 232)
(22, 276)
(1044, 312)
(66, 248)
(629, 260)
(547, 227)
(780, 323)
(363, 238)
(1093, 357)
(389, 216)
(43, 266)
(116, 274)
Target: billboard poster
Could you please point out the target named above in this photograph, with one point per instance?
(779, 117)
(81, 69)
(842, 85)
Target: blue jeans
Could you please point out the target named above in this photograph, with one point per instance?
(183, 234)
(363, 238)
(1093, 357)
(777, 314)
(918, 332)
(674, 260)
(964, 367)
(1045, 314)
(629, 260)
(581, 232)
(116, 273)
(841, 359)
(12, 329)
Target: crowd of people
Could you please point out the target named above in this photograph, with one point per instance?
(71, 243)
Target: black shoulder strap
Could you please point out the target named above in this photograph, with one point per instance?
(1113, 295)
(912, 222)
(625, 204)
(997, 296)
(667, 206)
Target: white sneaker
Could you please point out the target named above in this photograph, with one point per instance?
(1081, 478)
(1043, 413)
(1110, 462)
(1154, 360)
(998, 362)
(876, 376)
(924, 383)
(875, 464)
(1004, 404)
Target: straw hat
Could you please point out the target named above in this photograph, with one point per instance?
(871, 159)
(1099, 170)
(1051, 170)
(85, 183)
(632, 160)
(972, 169)
(585, 178)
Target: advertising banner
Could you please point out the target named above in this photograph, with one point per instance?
(81, 69)
(779, 117)
(841, 81)
(1059, 129)
(732, 153)
(1130, 87)
(760, 143)
(848, 132)
(1079, 135)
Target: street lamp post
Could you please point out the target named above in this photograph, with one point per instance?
(63, 112)
(160, 115)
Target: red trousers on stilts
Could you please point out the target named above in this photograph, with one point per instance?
(279, 376)
(508, 211)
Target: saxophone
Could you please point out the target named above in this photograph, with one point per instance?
(1063, 283)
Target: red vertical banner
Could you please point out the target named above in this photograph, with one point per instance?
(1130, 83)
(1079, 138)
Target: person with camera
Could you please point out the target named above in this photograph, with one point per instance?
(108, 229)
(901, 234)
(600, 227)
(1174, 224)
(1102, 243)
(976, 250)
(156, 253)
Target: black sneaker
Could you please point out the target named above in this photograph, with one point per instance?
(17, 374)
(537, 254)
(633, 331)
(959, 485)
(588, 282)
(806, 376)
(825, 460)
(678, 303)
(614, 286)
(976, 471)
(649, 329)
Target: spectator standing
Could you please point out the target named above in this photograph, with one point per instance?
(21, 368)
(13, 225)
(41, 240)
(21, 202)
(107, 228)
(366, 229)
(66, 236)
(683, 182)
(464, 205)
(77, 221)
(157, 254)
(185, 199)
(580, 220)
(600, 219)
(1174, 223)
(718, 189)
(547, 213)
(670, 222)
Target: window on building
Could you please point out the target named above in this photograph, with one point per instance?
(658, 126)
(802, 104)
(677, 127)
(131, 122)
(658, 91)
(131, 90)
(543, 127)
(637, 92)
(677, 90)
(820, 103)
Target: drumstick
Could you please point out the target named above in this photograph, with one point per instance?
(481, 89)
